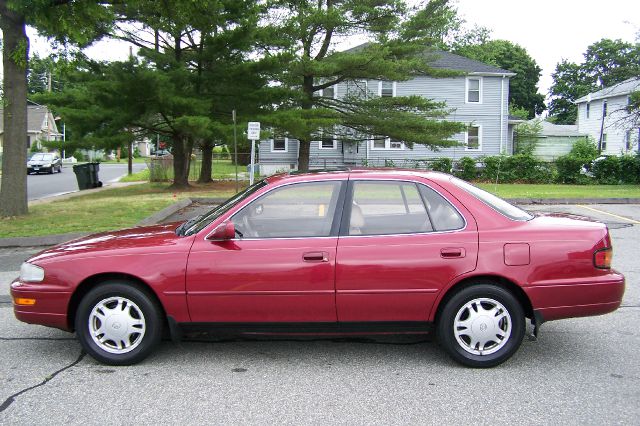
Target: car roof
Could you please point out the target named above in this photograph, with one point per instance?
(356, 173)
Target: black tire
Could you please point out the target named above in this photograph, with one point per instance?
(137, 305)
(486, 302)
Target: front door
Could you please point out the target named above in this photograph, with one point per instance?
(400, 244)
(280, 268)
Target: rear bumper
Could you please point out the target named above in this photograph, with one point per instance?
(577, 297)
(50, 306)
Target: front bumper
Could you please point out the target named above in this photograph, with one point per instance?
(50, 308)
(577, 297)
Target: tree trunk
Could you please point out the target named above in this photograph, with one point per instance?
(181, 159)
(15, 46)
(303, 156)
(207, 161)
(130, 159)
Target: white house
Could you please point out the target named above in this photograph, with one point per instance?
(603, 116)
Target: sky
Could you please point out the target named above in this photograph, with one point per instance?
(550, 30)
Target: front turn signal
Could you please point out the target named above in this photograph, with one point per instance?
(602, 258)
(24, 301)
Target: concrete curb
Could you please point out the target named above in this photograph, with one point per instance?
(556, 201)
(165, 213)
(50, 240)
(46, 240)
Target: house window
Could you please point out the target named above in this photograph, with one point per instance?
(603, 145)
(379, 143)
(588, 109)
(328, 92)
(604, 109)
(473, 138)
(474, 90)
(279, 144)
(357, 88)
(629, 141)
(327, 142)
(387, 89)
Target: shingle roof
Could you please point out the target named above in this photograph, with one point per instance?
(35, 118)
(550, 129)
(620, 89)
(450, 61)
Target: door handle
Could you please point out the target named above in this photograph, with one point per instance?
(449, 253)
(316, 256)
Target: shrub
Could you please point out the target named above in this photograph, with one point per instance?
(584, 149)
(466, 169)
(630, 169)
(569, 170)
(442, 165)
(493, 168)
(606, 170)
(523, 168)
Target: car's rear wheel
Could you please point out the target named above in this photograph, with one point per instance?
(118, 323)
(481, 325)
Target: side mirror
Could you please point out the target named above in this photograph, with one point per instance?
(224, 231)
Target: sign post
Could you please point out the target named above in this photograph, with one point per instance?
(253, 134)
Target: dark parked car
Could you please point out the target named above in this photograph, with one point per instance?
(44, 162)
(353, 251)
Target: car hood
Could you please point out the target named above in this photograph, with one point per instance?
(134, 240)
(38, 162)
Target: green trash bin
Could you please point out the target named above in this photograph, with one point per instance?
(83, 176)
(87, 175)
(94, 168)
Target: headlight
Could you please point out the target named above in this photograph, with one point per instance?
(31, 273)
(47, 165)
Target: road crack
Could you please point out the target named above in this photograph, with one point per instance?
(46, 380)
(10, 339)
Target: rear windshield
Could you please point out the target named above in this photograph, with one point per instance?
(496, 203)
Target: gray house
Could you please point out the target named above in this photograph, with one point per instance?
(41, 126)
(479, 98)
(603, 116)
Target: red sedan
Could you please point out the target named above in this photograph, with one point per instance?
(352, 251)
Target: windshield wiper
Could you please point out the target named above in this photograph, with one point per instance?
(180, 230)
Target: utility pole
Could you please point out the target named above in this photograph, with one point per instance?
(235, 147)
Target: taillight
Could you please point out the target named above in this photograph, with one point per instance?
(602, 258)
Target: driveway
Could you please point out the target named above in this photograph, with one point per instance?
(45, 185)
(579, 371)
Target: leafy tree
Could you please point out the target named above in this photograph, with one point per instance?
(526, 137)
(66, 20)
(303, 36)
(607, 62)
(523, 90)
(570, 82)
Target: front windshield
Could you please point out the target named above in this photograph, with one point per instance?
(42, 157)
(496, 203)
(204, 220)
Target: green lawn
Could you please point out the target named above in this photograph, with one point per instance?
(102, 211)
(562, 191)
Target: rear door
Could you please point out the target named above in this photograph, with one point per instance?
(400, 244)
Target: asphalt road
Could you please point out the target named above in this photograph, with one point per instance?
(46, 185)
(579, 371)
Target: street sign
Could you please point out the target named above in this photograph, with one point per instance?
(253, 130)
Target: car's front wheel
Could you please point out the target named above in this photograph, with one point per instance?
(118, 323)
(481, 325)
